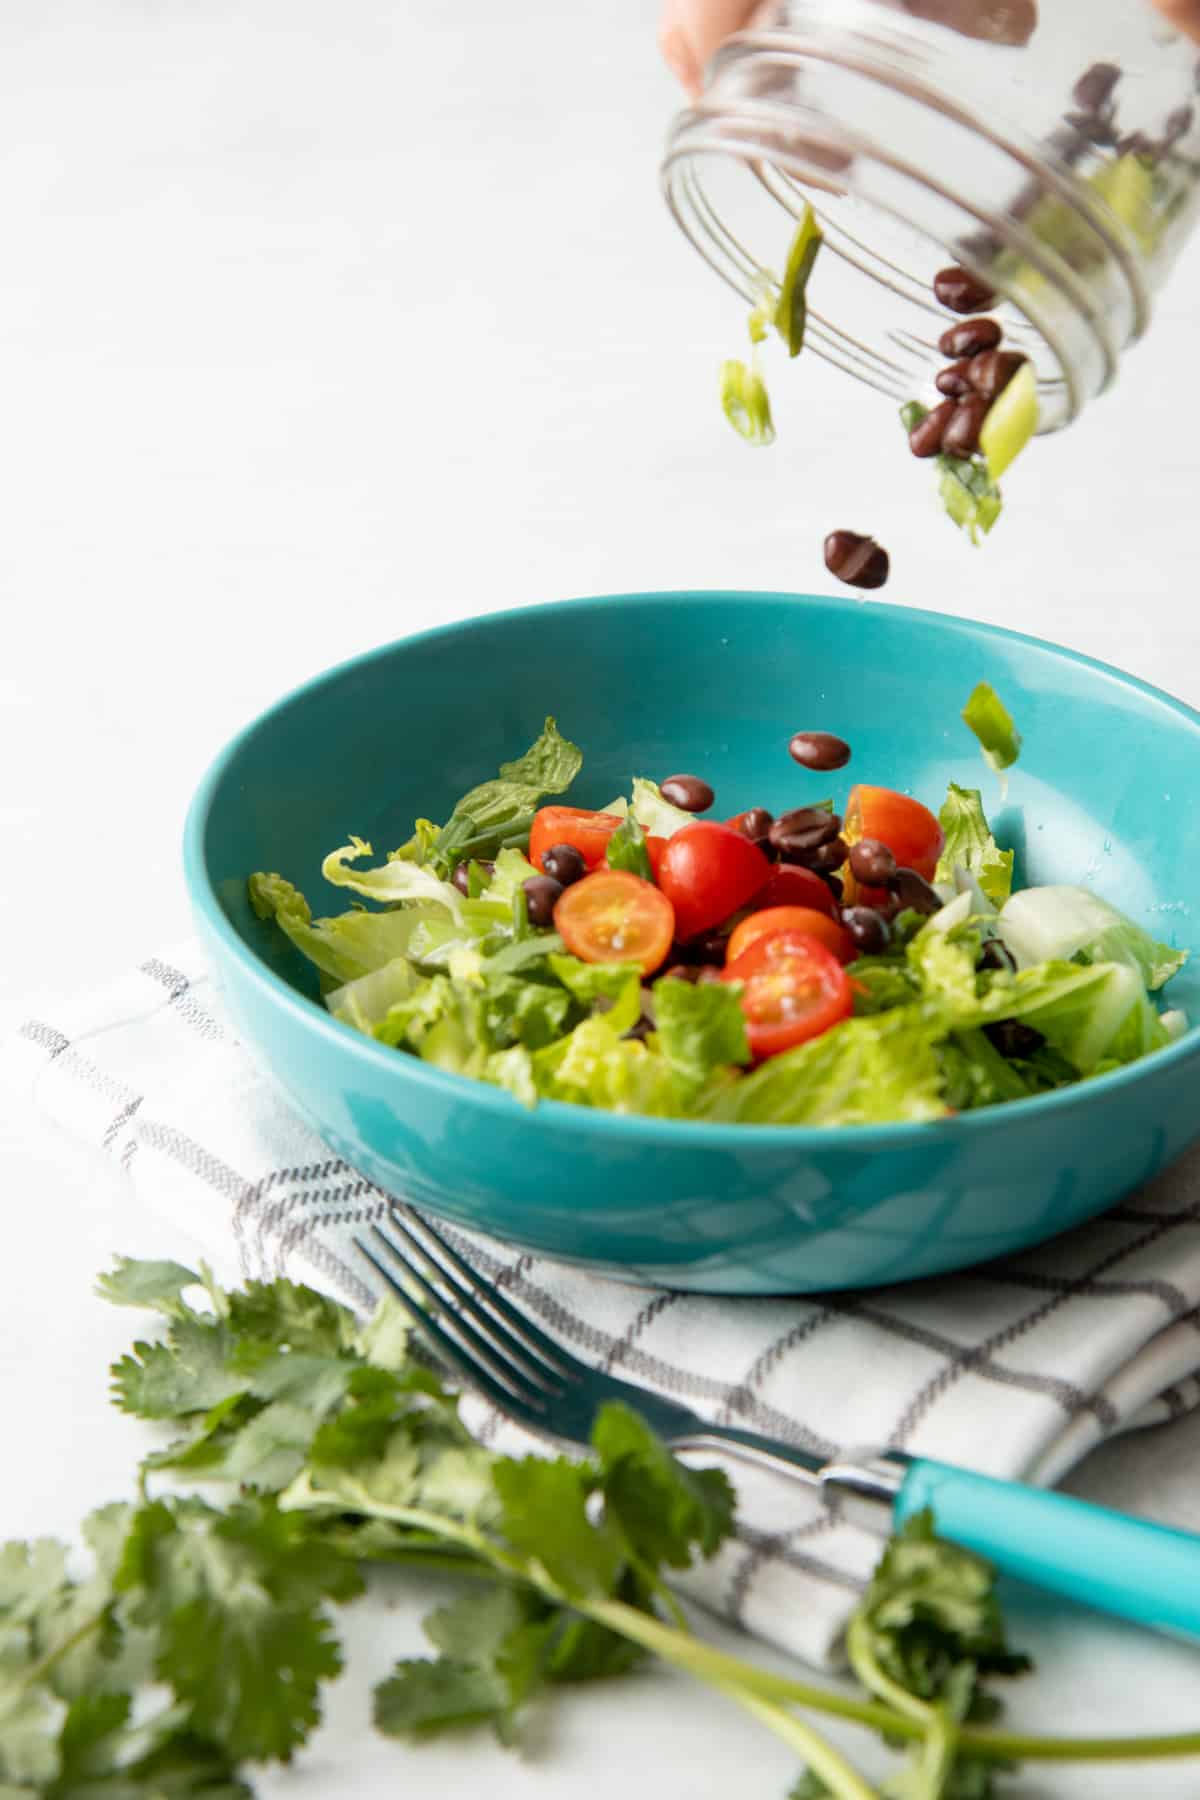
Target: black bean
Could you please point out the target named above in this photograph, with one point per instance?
(825, 857)
(1013, 1038)
(953, 381)
(564, 863)
(832, 882)
(1094, 89)
(1094, 128)
(542, 894)
(867, 927)
(961, 436)
(678, 972)
(819, 750)
(804, 828)
(755, 823)
(961, 291)
(925, 439)
(913, 893)
(688, 792)
(709, 947)
(1178, 124)
(1136, 143)
(996, 955)
(990, 372)
(969, 338)
(462, 875)
(858, 561)
(872, 863)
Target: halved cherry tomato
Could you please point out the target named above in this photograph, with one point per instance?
(589, 832)
(910, 831)
(792, 886)
(613, 916)
(813, 924)
(793, 990)
(707, 872)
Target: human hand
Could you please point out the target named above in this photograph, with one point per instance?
(690, 30)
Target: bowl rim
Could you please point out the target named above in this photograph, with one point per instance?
(562, 1115)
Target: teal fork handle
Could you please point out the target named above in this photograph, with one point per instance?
(1130, 1567)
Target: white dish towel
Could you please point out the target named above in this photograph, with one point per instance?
(1015, 1369)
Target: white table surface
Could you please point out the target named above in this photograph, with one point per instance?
(324, 322)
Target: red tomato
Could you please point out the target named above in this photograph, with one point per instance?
(654, 850)
(793, 990)
(589, 832)
(813, 924)
(613, 916)
(707, 872)
(790, 886)
(909, 830)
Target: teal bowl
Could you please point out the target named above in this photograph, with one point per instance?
(715, 683)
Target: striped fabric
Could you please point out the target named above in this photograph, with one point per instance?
(1016, 1368)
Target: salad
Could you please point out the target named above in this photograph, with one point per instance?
(819, 968)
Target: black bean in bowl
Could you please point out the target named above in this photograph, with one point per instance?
(564, 864)
(542, 894)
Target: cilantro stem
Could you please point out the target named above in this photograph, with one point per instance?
(936, 1757)
(39, 1670)
(727, 1671)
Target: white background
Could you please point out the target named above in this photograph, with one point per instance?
(321, 322)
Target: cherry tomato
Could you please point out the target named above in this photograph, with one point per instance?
(707, 872)
(909, 830)
(654, 850)
(613, 916)
(813, 924)
(589, 832)
(793, 990)
(790, 886)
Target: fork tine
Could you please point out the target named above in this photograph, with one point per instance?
(467, 1318)
(468, 1285)
(467, 1365)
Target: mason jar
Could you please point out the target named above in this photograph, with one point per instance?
(1051, 149)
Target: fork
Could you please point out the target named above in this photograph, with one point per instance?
(1130, 1567)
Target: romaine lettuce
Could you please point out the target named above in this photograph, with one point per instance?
(970, 846)
(1047, 924)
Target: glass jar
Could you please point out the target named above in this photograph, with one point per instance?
(1052, 149)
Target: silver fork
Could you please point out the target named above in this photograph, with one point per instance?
(1142, 1571)
(534, 1381)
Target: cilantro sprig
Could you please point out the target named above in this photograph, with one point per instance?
(199, 1638)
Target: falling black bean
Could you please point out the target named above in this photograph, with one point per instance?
(925, 439)
(872, 863)
(819, 750)
(542, 894)
(1093, 91)
(687, 792)
(867, 927)
(990, 372)
(961, 291)
(954, 380)
(969, 338)
(858, 561)
(1093, 128)
(961, 436)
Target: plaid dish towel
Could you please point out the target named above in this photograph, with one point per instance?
(1015, 1369)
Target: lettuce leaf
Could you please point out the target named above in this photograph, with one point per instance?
(502, 808)
(700, 1027)
(656, 816)
(391, 882)
(945, 969)
(865, 1071)
(1089, 1014)
(1047, 924)
(970, 845)
(974, 1073)
(987, 716)
(353, 944)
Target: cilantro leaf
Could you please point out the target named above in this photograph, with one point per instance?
(423, 1696)
(543, 1514)
(666, 1511)
(268, 1316)
(627, 849)
(186, 1374)
(30, 1721)
(157, 1286)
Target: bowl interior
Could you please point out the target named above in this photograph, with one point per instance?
(715, 684)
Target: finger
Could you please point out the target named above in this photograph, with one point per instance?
(1184, 14)
(690, 30)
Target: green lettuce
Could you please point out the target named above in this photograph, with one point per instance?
(656, 816)
(1090, 1015)
(353, 944)
(974, 1073)
(499, 810)
(865, 1071)
(627, 849)
(700, 1026)
(391, 882)
(970, 846)
(1047, 924)
(988, 717)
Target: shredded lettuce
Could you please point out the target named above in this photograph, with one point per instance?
(497, 811)
(390, 882)
(353, 944)
(988, 717)
(863, 1072)
(1045, 924)
(1089, 1015)
(656, 816)
(700, 1026)
(970, 846)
